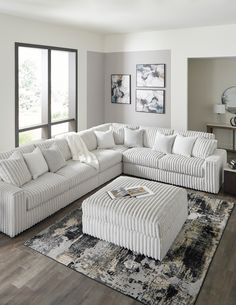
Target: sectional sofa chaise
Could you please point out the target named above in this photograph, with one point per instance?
(22, 207)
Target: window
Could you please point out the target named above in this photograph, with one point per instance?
(46, 92)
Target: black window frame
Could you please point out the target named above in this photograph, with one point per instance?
(46, 126)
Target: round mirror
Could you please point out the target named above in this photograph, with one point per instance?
(229, 99)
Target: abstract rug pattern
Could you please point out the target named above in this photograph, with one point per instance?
(175, 280)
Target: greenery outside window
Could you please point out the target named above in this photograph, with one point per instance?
(46, 92)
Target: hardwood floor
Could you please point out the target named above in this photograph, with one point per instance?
(29, 278)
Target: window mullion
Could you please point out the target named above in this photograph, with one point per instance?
(49, 93)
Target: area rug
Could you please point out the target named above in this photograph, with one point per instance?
(175, 280)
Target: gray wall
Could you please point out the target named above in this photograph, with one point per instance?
(95, 88)
(125, 63)
(207, 79)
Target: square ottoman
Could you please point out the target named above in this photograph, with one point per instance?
(147, 225)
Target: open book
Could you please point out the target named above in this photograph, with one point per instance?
(138, 191)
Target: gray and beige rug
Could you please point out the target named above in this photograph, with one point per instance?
(175, 280)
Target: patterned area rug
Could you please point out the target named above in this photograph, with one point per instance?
(175, 280)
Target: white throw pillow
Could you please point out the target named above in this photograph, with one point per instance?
(14, 170)
(105, 139)
(164, 143)
(54, 158)
(133, 137)
(36, 163)
(204, 148)
(183, 145)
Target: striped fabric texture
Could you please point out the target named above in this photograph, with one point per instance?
(22, 149)
(22, 207)
(118, 133)
(89, 138)
(204, 148)
(102, 127)
(183, 165)
(36, 163)
(143, 156)
(152, 217)
(76, 172)
(150, 134)
(197, 134)
(54, 158)
(44, 188)
(61, 144)
(107, 158)
(14, 170)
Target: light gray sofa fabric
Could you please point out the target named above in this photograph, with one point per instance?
(143, 156)
(44, 188)
(38, 199)
(77, 172)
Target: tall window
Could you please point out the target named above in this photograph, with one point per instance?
(46, 92)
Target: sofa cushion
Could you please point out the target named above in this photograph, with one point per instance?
(143, 156)
(44, 188)
(102, 127)
(107, 158)
(183, 146)
(204, 148)
(184, 165)
(149, 134)
(164, 143)
(61, 144)
(118, 133)
(14, 170)
(54, 157)
(105, 139)
(120, 148)
(36, 163)
(76, 172)
(133, 137)
(89, 138)
(21, 149)
(196, 134)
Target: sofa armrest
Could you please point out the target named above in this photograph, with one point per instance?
(214, 172)
(12, 208)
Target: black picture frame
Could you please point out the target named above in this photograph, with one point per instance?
(154, 95)
(121, 89)
(144, 81)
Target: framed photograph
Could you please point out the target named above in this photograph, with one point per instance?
(150, 101)
(120, 89)
(150, 75)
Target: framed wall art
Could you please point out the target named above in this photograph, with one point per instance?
(120, 89)
(150, 101)
(150, 75)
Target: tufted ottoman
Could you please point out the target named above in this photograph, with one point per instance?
(147, 226)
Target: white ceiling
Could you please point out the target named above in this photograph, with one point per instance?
(122, 16)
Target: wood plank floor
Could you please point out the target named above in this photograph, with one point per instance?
(29, 278)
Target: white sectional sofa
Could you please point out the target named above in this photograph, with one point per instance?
(22, 207)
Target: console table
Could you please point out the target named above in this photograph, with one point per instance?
(211, 127)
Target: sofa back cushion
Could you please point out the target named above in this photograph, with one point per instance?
(150, 134)
(89, 138)
(118, 133)
(196, 134)
(61, 144)
(102, 127)
(22, 149)
(204, 148)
